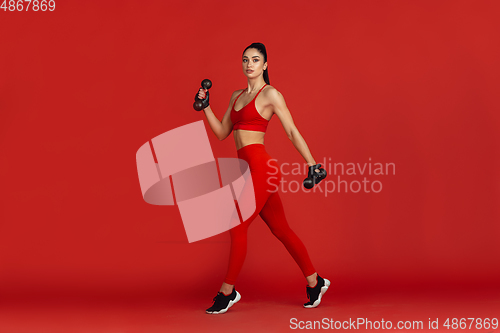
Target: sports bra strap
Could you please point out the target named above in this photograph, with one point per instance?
(244, 91)
(259, 91)
(238, 97)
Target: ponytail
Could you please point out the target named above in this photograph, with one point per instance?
(266, 76)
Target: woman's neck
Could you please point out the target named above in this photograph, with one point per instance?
(255, 84)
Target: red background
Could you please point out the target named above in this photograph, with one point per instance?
(410, 83)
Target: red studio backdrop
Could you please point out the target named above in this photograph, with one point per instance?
(408, 85)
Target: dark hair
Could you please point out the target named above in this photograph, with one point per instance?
(262, 49)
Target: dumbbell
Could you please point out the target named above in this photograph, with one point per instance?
(200, 104)
(314, 177)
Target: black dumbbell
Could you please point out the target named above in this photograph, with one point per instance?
(314, 177)
(200, 104)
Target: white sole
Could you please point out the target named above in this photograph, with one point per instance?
(231, 303)
(323, 291)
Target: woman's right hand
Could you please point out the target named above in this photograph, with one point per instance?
(201, 93)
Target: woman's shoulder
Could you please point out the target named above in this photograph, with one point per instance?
(239, 91)
(271, 93)
(236, 93)
(269, 88)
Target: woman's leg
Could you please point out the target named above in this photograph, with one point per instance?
(274, 215)
(239, 247)
(236, 256)
(239, 233)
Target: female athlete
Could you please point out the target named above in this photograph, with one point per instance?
(247, 116)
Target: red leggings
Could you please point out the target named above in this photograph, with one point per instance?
(266, 178)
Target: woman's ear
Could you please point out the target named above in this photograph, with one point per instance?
(265, 66)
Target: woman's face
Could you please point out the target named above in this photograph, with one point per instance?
(253, 63)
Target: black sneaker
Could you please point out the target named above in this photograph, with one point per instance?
(314, 294)
(222, 303)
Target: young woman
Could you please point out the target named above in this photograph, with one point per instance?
(247, 116)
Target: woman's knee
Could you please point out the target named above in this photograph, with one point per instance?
(238, 233)
(281, 232)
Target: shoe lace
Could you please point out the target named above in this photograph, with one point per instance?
(215, 298)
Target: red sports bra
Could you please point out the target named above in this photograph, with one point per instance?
(248, 118)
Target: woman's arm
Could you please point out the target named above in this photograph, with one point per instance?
(281, 110)
(223, 128)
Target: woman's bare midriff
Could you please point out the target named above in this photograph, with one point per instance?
(244, 138)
